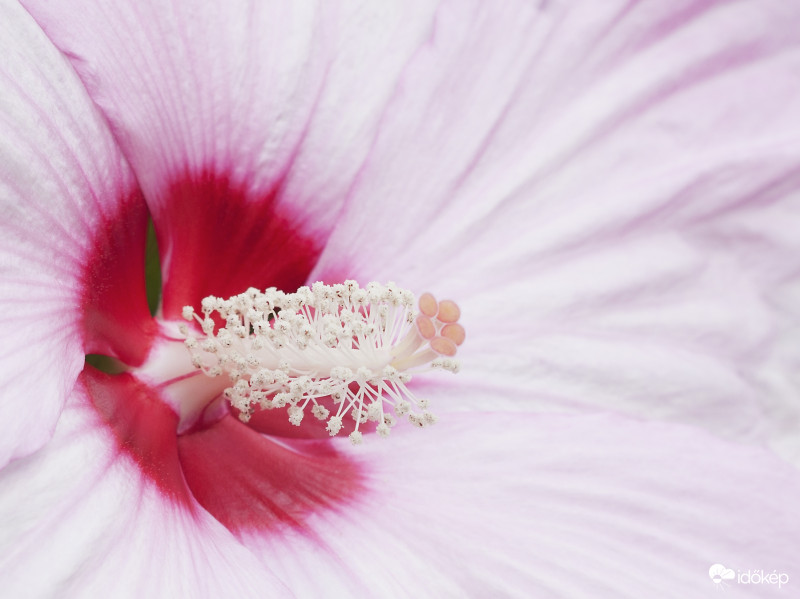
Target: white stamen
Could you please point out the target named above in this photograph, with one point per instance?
(356, 346)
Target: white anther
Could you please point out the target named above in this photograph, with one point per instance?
(295, 415)
(358, 346)
(209, 304)
(208, 326)
(334, 425)
(320, 412)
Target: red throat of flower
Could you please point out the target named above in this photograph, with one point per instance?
(336, 350)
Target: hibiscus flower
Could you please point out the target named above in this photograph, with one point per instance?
(608, 192)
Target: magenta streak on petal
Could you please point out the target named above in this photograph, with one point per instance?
(144, 427)
(244, 479)
(250, 483)
(217, 240)
(116, 319)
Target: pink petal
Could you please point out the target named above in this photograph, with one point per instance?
(245, 124)
(257, 485)
(609, 190)
(61, 180)
(143, 428)
(481, 505)
(575, 169)
(548, 506)
(247, 481)
(79, 521)
(524, 135)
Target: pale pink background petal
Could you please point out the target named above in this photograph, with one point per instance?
(549, 506)
(60, 175)
(611, 192)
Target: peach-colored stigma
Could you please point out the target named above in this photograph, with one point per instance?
(438, 324)
(425, 327)
(443, 347)
(455, 332)
(428, 305)
(448, 311)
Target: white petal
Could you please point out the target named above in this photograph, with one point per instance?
(60, 176)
